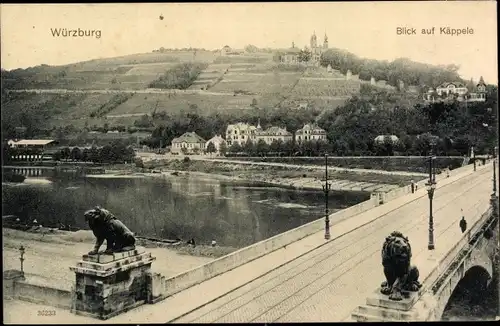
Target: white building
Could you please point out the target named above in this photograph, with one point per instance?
(310, 132)
(190, 141)
(217, 140)
(381, 138)
(452, 88)
(239, 133)
(273, 134)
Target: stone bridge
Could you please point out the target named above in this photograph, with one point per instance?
(298, 276)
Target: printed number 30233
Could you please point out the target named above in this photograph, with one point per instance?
(46, 312)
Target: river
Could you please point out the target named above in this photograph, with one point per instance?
(234, 214)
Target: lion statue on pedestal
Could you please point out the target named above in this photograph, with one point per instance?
(106, 226)
(400, 275)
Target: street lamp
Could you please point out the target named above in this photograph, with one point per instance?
(21, 250)
(495, 171)
(326, 189)
(431, 187)
(473, 154)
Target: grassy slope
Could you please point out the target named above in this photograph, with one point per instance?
(250, 77)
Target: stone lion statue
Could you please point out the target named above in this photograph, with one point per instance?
(400, 275)
(106, 226)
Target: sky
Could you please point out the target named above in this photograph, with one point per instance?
(367, 29)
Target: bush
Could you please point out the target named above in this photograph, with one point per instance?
(139, 162)
(180, 76)
(186, 159)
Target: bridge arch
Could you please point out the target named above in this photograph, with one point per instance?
(469, 294)
(470, 282)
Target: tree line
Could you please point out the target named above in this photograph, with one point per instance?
(401, 69)
(114, 152)
(452, 127)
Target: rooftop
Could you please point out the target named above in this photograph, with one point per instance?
(189, 137)
(39, 142)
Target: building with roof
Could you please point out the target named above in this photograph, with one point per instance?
(381, 138)
(448, 88)
(32, 143)
(30, 149)
(217, 140)
(310, 132)
(240, 133)
(291, 55)
(469, 92)
(189, 143)
(272, 134)
(476, 92)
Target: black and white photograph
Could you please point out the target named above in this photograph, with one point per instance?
(250, 162)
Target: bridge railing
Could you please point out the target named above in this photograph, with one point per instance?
(461, 254)
(446, 262)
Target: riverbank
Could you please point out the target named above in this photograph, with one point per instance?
(300, 178)
(50, 253)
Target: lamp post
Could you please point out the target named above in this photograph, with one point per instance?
(326, 189)
(431, 187)
(495, 171)
(473, 154)
(21, 250)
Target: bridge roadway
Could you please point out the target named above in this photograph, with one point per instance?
(329, 282)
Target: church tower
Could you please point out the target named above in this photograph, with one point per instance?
(314, 41)
(325, 42)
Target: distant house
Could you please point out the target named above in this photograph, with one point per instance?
(31, 149)
(32, 143)
(381, 138)
(451, 88)
(190, 141)
(225, 50)
(289, 56)
(310, 132)
(239, 133)
(477, 93)
(217, 140)
(469, 92)
(273, 134)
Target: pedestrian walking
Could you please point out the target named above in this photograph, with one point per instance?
(412, 186)
(463, 223)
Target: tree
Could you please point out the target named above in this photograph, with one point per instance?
(276, 146)
(76, 154)
(235, 147)
(223, 148)
(248, 147)
(304, 55)
(65, 153)
(211, 148)
(261, 148)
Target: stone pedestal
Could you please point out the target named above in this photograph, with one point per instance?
(109, 284)
(379, 308)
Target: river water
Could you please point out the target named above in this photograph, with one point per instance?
(169, 207)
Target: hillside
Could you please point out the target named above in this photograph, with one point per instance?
(117, 92)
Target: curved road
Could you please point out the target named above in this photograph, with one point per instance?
(329, 282)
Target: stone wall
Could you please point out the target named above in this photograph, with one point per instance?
(22, 289)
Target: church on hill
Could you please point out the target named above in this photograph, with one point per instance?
(291, 55)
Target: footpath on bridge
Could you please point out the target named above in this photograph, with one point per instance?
(198, 303)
